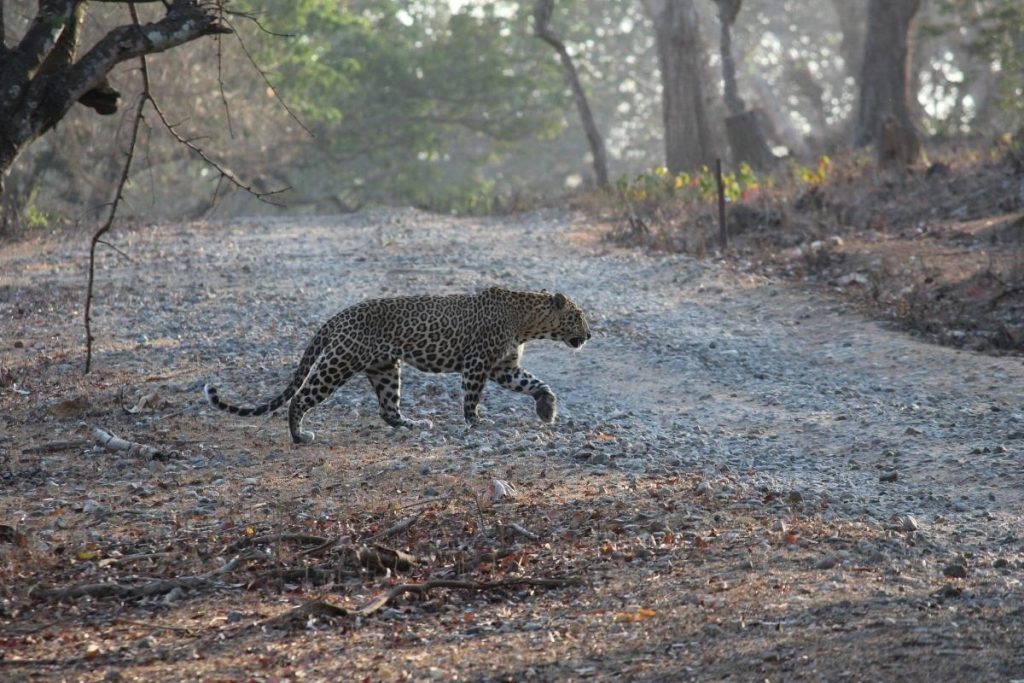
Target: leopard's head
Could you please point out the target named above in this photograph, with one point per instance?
(569, 324)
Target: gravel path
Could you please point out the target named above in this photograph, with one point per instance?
(744, 460)
(692, 367)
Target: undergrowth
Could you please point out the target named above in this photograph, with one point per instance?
(937, 249)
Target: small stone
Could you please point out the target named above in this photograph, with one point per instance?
(598, 458)
(911, 431)
(955, 570)
(828, 562)
(145, 643)
(1001, 563)
(889, 477)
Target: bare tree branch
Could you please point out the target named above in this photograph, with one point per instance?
(542, 12)
(262, 73)
(39, 39)
(224, 172)
(118, 196)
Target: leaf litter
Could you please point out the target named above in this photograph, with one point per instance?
(605, 547)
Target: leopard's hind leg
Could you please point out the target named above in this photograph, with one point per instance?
(386, 379)
(330, 371)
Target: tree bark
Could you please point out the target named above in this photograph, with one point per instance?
(727, 13)
(742, 128)
(688, 143)
(884, 82)
(542, 18)
(37, 90)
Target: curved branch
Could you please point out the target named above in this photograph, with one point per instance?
(183, 23)
(542, 12)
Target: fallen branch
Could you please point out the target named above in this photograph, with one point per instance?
(54, 447)
(325, 609)
(149, 588)
(381, 558)
(376, 558)
(312, 574)
(115, 443)
(399, 527)
(523, 531)
(270, 539)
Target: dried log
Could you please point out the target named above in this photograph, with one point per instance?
(115, 443)
(381, 558)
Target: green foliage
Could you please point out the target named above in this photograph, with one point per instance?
(813, 177)
(409, 101)
(996, 34)
(34, 218)
(652, 188)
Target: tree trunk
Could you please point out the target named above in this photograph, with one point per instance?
(884, 82)
(742, 128)
(542, 17)
(40, 80)
(688, 143)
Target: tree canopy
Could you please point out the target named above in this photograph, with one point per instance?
(447, 105)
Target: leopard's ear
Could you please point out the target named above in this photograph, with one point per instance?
(559, 301)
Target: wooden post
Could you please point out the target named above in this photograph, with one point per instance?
(723, 232)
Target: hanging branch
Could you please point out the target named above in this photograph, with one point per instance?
(225, 174)
(118, 196)
(542, 12)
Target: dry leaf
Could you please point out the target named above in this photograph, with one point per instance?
(641, 614)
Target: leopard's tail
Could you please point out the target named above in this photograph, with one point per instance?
(270, 406)
(309, 359)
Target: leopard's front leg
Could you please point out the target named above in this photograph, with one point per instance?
(515, 378)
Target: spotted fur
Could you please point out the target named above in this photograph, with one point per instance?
(480, 336)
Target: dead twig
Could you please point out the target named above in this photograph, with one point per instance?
(523, 531)
(325, 609)
(397, 528)
(312, 574)
(268, 539)
(54, 447)
(158, 627)
(153, 587)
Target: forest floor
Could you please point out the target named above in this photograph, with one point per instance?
(748, 480)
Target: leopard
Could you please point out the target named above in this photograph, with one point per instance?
(480, 336)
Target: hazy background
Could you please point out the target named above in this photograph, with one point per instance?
(457, 106)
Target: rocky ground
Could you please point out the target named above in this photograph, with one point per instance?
(748, 480)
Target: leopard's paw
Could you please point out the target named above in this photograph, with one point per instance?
(547, 407)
